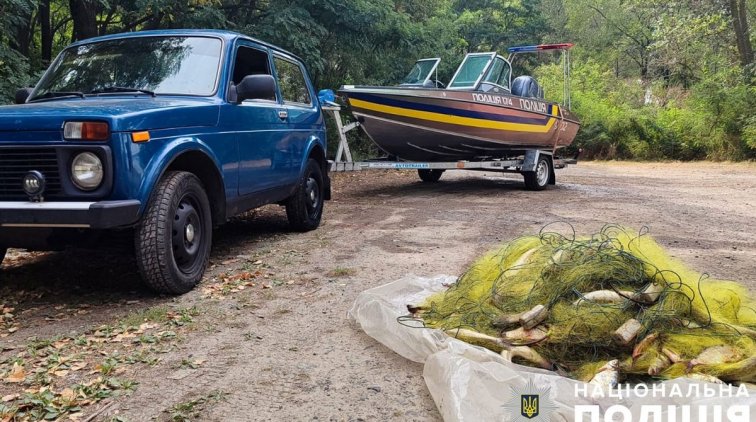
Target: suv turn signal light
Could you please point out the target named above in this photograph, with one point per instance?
(87, 131)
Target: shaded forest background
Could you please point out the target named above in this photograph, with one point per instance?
(651, 79)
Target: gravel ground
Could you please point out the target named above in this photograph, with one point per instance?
(268, 337)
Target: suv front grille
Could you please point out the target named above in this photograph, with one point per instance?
(16, 162)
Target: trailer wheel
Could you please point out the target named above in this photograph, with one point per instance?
(173, 239)
(429, 176)
(538, 179)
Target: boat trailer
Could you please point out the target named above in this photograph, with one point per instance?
(536, 165)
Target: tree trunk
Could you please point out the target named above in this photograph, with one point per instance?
(84, 14)
(45, 31)
(742, 35)
(22, 39)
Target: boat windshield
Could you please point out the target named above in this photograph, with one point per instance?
(471, 70)
(499, 73)
(183, 65)
(421, 72)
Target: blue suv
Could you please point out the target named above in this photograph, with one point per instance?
(159, 136)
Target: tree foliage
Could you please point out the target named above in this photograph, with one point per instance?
(653, 79)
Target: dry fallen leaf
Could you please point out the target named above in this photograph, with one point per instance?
(17, 374)
(120, 337)
(61, 373)
(78, 366)
(68, 394)
(12, 329)
(9, 397)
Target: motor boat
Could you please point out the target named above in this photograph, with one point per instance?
(482, 113)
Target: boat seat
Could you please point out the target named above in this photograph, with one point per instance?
(526, 86)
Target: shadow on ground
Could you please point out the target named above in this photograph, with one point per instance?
(471, 186)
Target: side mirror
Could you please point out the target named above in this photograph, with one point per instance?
(23, 94)
(256, 87)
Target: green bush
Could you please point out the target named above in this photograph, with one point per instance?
(628, 119)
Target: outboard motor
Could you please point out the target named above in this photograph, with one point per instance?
(526, 86)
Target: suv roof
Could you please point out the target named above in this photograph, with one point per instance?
(226, 35)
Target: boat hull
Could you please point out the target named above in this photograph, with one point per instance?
(444, 125)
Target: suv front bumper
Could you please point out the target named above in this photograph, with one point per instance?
(93, 215)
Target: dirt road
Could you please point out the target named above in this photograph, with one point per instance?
(266, 336)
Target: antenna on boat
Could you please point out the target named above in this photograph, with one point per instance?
(566, 63)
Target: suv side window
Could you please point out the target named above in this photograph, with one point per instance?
(250, 61)
(292, 82)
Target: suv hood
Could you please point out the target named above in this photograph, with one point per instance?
(122, 113)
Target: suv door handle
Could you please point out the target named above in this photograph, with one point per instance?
(283, 114)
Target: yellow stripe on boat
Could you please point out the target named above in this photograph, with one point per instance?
(455, 120)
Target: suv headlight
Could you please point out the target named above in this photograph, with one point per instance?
(86, 171)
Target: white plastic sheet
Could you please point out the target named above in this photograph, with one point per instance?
(470, 383)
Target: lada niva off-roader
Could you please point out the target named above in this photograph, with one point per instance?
(163, 134)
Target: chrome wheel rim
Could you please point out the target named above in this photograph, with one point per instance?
(542, 173)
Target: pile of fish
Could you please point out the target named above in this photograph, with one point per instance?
(600, 309)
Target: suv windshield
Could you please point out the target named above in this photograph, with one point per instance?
(160, 65)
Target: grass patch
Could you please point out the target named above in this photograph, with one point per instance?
(342, 272)
(157, 314)
(191, 409)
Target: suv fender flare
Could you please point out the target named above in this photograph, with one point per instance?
(317, 147)
(161, 161)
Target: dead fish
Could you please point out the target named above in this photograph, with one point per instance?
(650, 294)
(474, 337)
(659, 364)
(520, 263)
(644, 344)
(671, 355)
(417, 309)
(528, 354)
(604, 296)
(507, 321)
(533, 317)
(521, 335)
(716, 355)
(607, 376)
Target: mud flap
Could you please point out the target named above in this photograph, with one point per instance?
(531, 160)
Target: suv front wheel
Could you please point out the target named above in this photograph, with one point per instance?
(174, 237)
(304, 208)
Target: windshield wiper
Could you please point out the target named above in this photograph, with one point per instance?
(57, 94)
(122, 89)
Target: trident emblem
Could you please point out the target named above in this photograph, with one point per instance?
(529, 407)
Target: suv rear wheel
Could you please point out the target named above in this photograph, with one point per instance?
(304, 208)
(174, 237)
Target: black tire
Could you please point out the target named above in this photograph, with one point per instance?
(538, 179)
(2, 254)
(174, 237)
(429, 176)
(304, 208)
